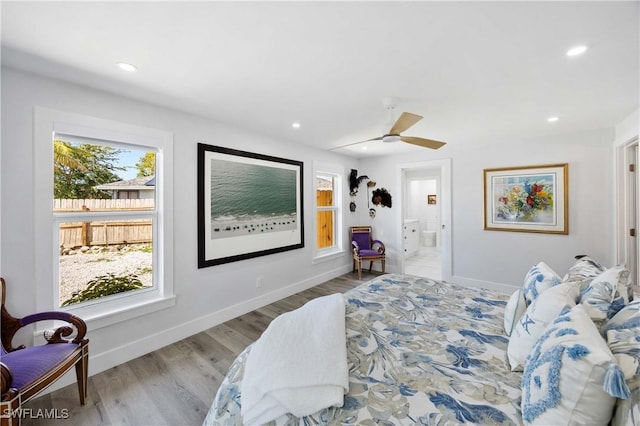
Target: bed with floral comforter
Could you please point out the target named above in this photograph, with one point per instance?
(419, 351)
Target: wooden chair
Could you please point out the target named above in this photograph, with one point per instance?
(27, 371)
(365, 248)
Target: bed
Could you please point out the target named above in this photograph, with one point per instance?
(419, 351)
(557, 351)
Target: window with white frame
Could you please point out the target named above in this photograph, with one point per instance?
(111, 257)
(328, 209)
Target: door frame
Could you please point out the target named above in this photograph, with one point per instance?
(628, 208)
(445, 200)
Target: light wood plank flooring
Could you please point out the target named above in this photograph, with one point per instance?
(174, 385)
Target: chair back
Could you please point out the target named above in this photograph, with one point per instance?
(362, 236)
(8, 323)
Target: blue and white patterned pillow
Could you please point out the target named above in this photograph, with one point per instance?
(625, 346)
(627, 317)
(539, 278)
(571, 376)
(516, 306)
(625, 323)
(607, 294)
(534, 321)
(583, 270)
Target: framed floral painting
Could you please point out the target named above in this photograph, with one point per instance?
(527, 199)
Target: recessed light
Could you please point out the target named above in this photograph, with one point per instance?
(577, 50)
(552, 119)
(295, 125)
(364, 148)
(127, 67)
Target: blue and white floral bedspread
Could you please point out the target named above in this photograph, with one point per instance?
(419, 352)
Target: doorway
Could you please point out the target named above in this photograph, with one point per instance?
(425, 219)
(629, 213)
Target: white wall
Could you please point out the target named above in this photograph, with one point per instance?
(206, 296)
(499, 259)
(628, 128)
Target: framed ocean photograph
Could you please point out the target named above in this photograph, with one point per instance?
(249, 205)
(527, 199)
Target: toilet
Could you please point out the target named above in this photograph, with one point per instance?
(428, 238)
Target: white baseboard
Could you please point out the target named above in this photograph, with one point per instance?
(131, 350)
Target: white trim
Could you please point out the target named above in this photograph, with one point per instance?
(623, 219)
(328, 256)
(116, 309)
(324, 254)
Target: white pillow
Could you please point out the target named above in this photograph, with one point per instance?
(539, 278)
(513, 311)
(571, 376)
(606, 294)
(538, 315)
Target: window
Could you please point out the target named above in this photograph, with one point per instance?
(328, 206)
(110, 256)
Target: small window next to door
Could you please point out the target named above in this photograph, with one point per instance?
(328, 206)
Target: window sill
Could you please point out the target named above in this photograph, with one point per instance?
(327, 256)
(114, 315)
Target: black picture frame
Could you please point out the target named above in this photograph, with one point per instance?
(249, 205)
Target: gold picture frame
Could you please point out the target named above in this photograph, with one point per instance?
(527, 199)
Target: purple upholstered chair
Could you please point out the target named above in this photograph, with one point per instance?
(365, 248)
(27, 371)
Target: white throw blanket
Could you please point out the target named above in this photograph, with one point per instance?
(299, 364)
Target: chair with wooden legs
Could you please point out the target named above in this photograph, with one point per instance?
(365, 248)
(28, 370)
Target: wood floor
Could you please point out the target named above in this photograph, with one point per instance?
(174, 385)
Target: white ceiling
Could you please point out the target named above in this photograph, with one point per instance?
(477, 71)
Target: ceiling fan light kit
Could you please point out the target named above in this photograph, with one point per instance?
(391, 138)
(403, 122)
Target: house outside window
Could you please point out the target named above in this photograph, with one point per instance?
(111, 255)
(328, 210)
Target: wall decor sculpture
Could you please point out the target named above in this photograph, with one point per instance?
(382, 197)
(355, 181)
(249, 205)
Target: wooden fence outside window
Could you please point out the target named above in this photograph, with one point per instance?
(102, 233)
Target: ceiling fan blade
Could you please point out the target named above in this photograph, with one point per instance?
(426, 143)
(405, 121)
(356, 143)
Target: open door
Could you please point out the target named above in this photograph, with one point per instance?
(433, 239)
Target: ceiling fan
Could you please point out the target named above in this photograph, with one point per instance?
(403, 122)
